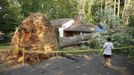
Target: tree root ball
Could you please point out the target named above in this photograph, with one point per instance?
(35, 33)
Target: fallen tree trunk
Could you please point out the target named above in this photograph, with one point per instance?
(68, 41)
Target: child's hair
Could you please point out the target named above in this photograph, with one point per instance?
(109, 39)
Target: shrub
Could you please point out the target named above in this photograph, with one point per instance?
(97, 41)
(123, 39)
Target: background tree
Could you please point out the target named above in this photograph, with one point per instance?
(9, 14)
(13, 11)
(53, 8)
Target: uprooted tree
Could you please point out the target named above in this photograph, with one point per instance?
(34, 33)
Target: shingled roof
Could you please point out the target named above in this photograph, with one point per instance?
(59, 22)
(74, 27)
(81, 28)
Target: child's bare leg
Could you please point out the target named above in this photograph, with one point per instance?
(109, 62)
(106, 61)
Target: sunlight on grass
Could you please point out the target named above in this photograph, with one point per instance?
(4, 46)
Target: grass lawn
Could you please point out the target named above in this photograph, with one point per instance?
(4, 45)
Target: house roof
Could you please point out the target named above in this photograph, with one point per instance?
(74, 27)
(59, 22)
(82, 28)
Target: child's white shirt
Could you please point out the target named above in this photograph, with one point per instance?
(108, 46)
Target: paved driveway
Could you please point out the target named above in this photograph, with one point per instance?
(87, 65)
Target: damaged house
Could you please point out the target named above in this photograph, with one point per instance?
(71, 27)
(72, 32)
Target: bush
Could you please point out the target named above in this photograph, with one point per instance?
(122, 39)
(97, 41)
(119, 39)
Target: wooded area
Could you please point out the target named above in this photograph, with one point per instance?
(28, 35)
(115, 15)
(111, 13)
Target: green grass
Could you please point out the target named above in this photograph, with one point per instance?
(4, 45)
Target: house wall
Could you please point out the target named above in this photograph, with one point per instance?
(61, 32)
(64, 26)
(74, 33)
(70, 33)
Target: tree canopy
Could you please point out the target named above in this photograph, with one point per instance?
(111, 13)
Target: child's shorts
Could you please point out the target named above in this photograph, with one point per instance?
(107, 56)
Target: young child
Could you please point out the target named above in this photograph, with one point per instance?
(108, 46)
